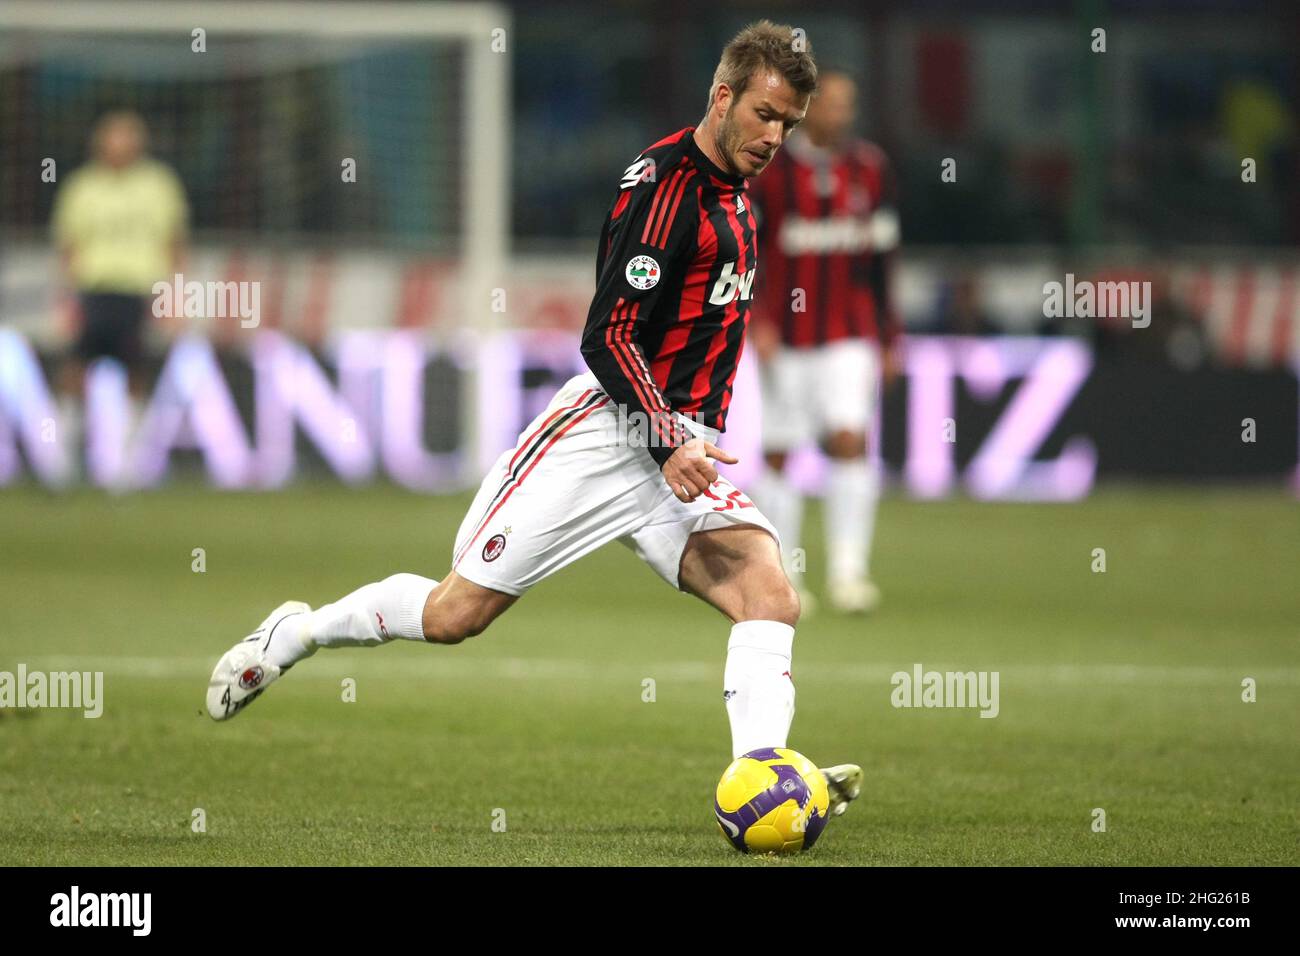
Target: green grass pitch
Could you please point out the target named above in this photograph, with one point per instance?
(1119, 690)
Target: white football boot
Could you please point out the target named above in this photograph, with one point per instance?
(243, 671)
(843, 784)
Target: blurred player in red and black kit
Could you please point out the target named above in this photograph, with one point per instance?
(825, 329)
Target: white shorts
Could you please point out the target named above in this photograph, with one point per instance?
(573, 483)
(810, 392)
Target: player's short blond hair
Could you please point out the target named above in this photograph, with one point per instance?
(763, 47)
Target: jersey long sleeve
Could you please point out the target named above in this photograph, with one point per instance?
(646, 249)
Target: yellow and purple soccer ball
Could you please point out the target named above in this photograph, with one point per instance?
(772, 800)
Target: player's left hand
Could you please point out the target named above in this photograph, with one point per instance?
(689, 471)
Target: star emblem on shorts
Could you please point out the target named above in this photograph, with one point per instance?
(507, 530)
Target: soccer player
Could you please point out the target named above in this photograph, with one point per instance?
(824, 326)
(625, 451)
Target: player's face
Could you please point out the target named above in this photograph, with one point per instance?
(758, 121)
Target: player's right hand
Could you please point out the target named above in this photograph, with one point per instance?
(689, 471)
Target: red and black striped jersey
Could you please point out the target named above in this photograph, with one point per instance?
(827, 228)
(674, 274)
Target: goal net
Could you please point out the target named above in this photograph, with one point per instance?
(262, 107)
(368, 140)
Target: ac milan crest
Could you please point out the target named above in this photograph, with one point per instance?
(495, 545)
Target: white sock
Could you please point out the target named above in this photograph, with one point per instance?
(869, 517)
(847, 491)
(757, 685)
(783, 505)
(372, 615)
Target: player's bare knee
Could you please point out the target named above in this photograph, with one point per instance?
(441, 631)
(771, 597)
(453, 625)
(452, 621)
(478, 620)
(458, 609)
(785, 604)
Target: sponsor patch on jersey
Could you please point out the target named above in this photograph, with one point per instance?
(495, 545)
(642, 272)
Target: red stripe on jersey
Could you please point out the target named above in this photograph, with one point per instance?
(540, 455)
(620, 205)
(661, 191)
(677, 199)
(669, 213)
(669, 188)
(669, 139)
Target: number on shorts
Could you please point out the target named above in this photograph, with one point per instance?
(735, 499)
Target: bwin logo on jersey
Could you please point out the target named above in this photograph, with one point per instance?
(730, 285)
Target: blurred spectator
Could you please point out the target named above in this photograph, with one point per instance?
(119, 224)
